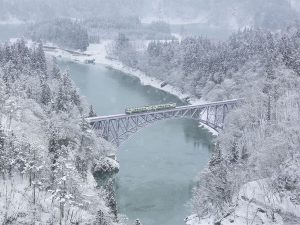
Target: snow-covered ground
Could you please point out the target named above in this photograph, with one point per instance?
(256, 204)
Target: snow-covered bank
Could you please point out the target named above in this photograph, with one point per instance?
(98, 52)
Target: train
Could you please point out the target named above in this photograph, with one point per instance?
(151, 108)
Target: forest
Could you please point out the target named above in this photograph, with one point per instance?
(62, 32)
(260, 140)
(100, 28)
(48, 153)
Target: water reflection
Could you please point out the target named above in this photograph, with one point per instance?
(198, 135)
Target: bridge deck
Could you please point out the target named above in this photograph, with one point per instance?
(119, 116)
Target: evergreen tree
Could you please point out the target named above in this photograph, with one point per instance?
(2, 137)
(41, 58)
(2, 151)
(53, 149)
(75, 98)
(61, 100)
(55, 70)
(100, 219)
(62, 31)
(92, 113)
(111, 199)
(46, 94)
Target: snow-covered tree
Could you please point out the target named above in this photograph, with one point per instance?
(63, 32)
(92, 113)
(47, 149)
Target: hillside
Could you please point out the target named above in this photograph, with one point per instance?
(259, 143)
(48, 153)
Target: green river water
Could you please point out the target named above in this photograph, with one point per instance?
(158, 164)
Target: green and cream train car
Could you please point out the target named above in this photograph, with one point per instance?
(151, 108)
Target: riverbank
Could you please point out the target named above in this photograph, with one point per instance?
(98, 53)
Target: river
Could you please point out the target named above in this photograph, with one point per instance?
(157, 165)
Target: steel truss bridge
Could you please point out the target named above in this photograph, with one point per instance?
(117, 128)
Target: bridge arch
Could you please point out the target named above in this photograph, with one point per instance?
(118, 128)
(138, 129)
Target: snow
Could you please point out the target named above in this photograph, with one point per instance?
(106, 165)
(255, 205)
(260, 192)
(113, 163)
(17, 201)
(29, 117)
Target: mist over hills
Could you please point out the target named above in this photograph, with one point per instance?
(233, 14)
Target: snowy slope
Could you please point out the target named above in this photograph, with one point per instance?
(255, 204)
